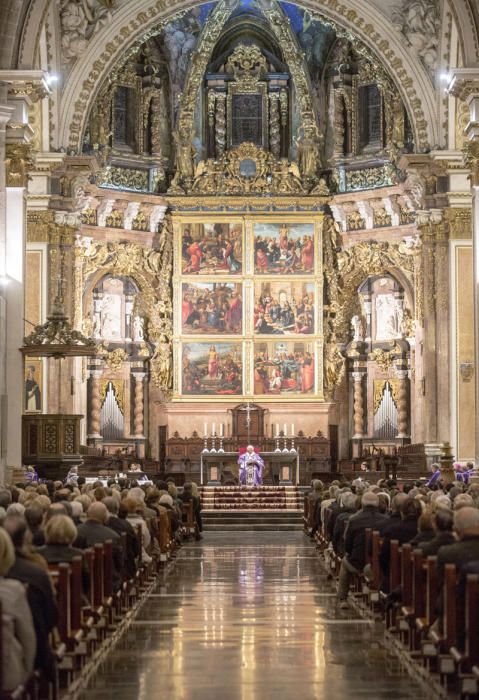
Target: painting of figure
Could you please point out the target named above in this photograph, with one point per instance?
(33, 385)
(211, 307)
(212, 369)
(212, 248)
(284, 308)
(284, 368)
(284, 248)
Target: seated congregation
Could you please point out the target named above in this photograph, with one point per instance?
(75, 559)
(408, 555)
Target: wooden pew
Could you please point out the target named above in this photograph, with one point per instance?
(188, 518)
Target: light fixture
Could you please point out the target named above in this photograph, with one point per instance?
(52, 79)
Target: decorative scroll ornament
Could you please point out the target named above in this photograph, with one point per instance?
(246, 63)
(250, 169)
(57, 338)
(383, 358)
(114, 358)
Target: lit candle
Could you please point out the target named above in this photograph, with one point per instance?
(277, 429)
(221, 429)
(213, 432)
(206, 430)
(285, 430)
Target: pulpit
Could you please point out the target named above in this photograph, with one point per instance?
(51, 442)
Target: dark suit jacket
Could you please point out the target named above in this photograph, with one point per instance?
(92, 532)
(133, 548)
(459, 553)
(355, 537)
(63, 554)
(42, 605)
(432, 547)
(401, 530)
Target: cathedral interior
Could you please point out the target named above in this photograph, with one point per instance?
(239, 222)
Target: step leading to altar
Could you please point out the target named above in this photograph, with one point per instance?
(252, 508)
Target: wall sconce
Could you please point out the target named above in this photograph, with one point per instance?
(467, 371)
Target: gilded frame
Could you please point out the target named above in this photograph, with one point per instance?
(247, 278)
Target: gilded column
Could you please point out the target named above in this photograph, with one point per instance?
(358, 405)
(442, 336)
(94, 435)
(220, 124)
(274, 125)
(139, 413)
(402, 403)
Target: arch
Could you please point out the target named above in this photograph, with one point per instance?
(357, 16)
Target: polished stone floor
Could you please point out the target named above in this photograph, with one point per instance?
(248, 616)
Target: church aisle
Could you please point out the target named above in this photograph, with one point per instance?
(247, 616)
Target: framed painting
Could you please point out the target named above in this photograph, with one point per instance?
(209, 308)
(212, 248)
(284, 368)
(33, 385)
(285, 307)
(212, 369)
(284, 248)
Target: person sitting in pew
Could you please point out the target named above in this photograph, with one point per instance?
(34, 517)
(442, 522)
(425, 530)
(94, 531)
(18, 633)
(40, 594)
(466, 526)
(121, 525)
(348, 508)
(60, 533)
(354, 558)
(403, 530)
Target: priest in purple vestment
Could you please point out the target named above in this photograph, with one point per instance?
(250, 456)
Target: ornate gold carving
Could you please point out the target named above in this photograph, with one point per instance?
(265, 174)
(471, 160)
(141, 222)
(460, 222)
(89, 217)
(114, 358)
(379, 388)
(247, 64)
(123, 178)
(367, 178)
(151, 269)
(115, 219)
(18, 161)
(355, 222)
(383, 358)
(381, 218)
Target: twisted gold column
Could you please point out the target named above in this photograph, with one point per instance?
(402, 404)
(138, 415)
(95, 404)
(358, 405)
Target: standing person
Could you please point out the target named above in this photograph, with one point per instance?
(251, 457)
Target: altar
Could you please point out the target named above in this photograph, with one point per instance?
(279, 467)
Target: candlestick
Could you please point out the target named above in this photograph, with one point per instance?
(278, 448)
(221, 429)
(220, 449)
(205, 448)
(213, 431)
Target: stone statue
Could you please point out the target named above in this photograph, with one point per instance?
(357, 326)
(138, 328)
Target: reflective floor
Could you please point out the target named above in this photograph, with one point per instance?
(248, 616)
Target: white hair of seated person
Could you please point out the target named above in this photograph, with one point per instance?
(16, 509)
(369, 498)
(136, 492)
(77, 509)
(466, 521)
(386, 496)
(166, 500)
(348, 500)
(60, 530)
(442, 501)
(464, 500)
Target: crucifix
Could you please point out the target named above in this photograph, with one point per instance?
(248, 408)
